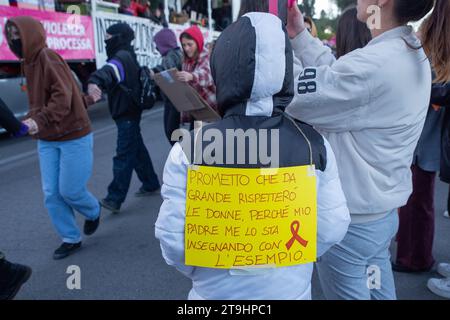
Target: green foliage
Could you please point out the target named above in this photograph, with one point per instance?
(325, 23)
(308, 7)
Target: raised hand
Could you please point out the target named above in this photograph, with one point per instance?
(184, 76)
(295, 22)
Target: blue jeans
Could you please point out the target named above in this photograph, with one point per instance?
(66, 167)
(131, 154)
(359, 268)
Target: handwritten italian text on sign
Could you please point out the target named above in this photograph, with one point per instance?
(243, 218)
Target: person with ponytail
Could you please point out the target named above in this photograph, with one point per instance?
(417, 219)
(440, 96)
(371, 105)
(435, 36)
(439, 53)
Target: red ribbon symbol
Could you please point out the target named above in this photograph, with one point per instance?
(295, 228)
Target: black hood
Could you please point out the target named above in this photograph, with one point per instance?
(252, 66)
(123, 35)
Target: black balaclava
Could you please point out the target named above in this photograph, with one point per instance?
(16, 47)
(122, 35)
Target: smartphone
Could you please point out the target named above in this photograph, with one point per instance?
(280, 8)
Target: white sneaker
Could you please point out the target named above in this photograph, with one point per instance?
(440, 287)
(444, 269)
(446, 214)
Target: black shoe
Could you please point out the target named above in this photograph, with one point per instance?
(145, 193)
(65, 250)
(402, 269)
(111, 206)
(16, 275)
(90, 226)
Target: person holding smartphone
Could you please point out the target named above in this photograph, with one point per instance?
(371, 105)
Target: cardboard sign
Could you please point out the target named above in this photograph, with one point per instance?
(184, 97)
(250, 218)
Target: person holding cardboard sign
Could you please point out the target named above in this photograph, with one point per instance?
(196, 69)
(234, 227)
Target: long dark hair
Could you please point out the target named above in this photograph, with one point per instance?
(351, 33)
(435, 34)
(411, 11)
(253, 6)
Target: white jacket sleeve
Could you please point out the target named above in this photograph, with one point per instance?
(170, 226)
(333, 217)
(311, 51)
(332, 95)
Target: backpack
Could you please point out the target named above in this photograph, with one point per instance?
(143, 96)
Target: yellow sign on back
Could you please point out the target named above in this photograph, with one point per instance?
(242, 218)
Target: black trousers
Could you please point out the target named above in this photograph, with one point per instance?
(131, 155)
(7, 119)
(171, 120)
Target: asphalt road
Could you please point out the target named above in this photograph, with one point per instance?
(123, 259)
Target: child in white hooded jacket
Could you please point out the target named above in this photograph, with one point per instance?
(270, 70)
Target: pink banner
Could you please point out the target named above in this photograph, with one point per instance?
(72, 36)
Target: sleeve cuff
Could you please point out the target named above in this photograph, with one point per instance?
(23, 131)
(195, 79)
(94, 80)
(39, 121)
